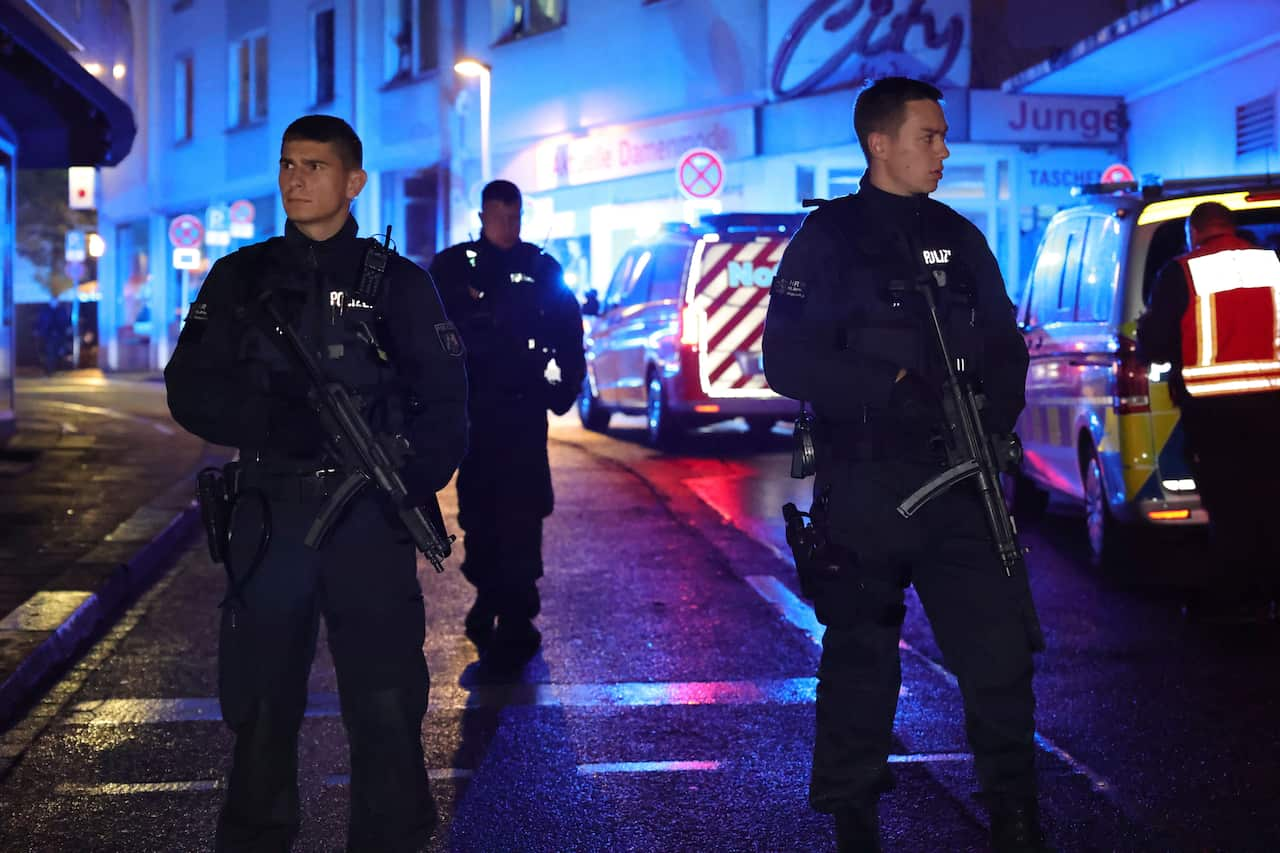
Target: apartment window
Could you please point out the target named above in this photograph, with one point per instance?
(247, 88)
(520, 18)
(411, 38)
(183, 96)
(322, 56)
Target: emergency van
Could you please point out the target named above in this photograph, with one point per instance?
(677, 335)
(1099, 426)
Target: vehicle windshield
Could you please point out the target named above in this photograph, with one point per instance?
(1260, 227)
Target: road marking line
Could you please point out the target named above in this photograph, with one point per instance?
(789, 691)
(786, 602)
(647, 767)
(81, 409)
(338, 779)
(119, 789)
(929, 757)
(800, 614)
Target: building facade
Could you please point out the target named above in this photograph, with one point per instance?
(613, 117)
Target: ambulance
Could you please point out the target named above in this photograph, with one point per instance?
(677, 335)
(1099, 427)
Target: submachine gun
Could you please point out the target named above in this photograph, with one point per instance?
(970, 451)
(368, 458)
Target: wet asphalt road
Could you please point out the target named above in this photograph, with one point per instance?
(671, 705)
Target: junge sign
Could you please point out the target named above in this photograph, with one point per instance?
(1062, 119)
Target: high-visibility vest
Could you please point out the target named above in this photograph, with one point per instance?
(1231, 329)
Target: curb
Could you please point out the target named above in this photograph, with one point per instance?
(95, 615)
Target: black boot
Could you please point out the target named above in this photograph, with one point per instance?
(478, 626)
(858, 829)
(1015, 827)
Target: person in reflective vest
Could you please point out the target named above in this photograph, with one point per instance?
(1212, 316)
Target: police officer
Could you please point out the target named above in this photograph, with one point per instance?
(841, 336)
(230, 382)
(1212, 316)
(523, 334)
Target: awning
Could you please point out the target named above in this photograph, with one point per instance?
(61, 114)
(1157, 45)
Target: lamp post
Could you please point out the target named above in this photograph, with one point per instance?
(476, 68)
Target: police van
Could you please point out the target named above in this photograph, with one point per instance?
(677, 335)
(1099, 426)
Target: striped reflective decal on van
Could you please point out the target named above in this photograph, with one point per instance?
(731, 293)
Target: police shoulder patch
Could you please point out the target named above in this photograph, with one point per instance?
(790, 287)
(450, 340)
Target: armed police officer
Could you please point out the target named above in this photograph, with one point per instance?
(1212, 318)
(523, 334)
(843, 334)
(374, 323)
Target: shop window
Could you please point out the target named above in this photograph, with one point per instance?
(247, 88)
(574, 257)
(183, 98)
(322, 48)
(842, 182)
(516, 19)
(412, 43)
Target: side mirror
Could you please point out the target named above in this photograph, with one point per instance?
(591, 304)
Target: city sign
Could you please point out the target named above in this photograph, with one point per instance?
(186, 232)
(826, 44)
(241, 213)
(217, 221)
(1062, 119)
(700, 173)
(186, 258)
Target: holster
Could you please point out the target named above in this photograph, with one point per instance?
(818, 560)
(215, 492)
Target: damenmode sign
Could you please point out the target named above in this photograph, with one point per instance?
(829, 44)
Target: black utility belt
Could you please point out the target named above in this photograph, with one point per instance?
(289, 485)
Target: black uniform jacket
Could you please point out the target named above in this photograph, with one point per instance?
(836, 335)
(230, 383)
(515, 315)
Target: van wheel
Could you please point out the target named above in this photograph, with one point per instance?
(662, 428)
(594, 416)
(1108, 541)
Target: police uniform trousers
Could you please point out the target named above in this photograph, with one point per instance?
(363, 581)
(980, 617)
(1231, 447)
(504, 493)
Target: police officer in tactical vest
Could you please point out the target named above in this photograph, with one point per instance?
(843, 335)
(374, 323)
(1213, 317)
(522, 328)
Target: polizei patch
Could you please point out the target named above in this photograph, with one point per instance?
(450, 340)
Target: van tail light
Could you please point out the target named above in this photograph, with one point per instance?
(1133, 390)
(689, 319)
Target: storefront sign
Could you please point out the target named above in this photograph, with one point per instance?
(1048, 177)
(826, 44)
(1062, 119)
(620, 151)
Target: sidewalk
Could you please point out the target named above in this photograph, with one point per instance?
(95, 502)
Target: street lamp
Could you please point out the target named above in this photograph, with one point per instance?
(476, 68)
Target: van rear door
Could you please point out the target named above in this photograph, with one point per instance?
(728, 289)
